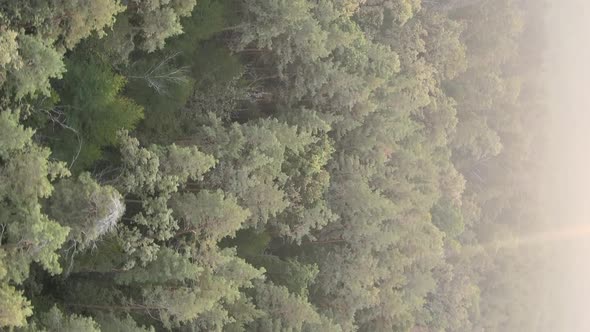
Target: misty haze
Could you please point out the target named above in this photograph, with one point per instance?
(294, 165)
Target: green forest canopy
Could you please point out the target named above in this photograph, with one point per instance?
(268, 165)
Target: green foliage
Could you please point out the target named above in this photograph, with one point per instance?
(153, 175)
(249, 242)
(297, 277)
(208, 18)
(38, 63)
(285, 311)
(284, 27)
(14, 307)
(251, 158)
(169, 266)
(160, 20)
(63, 22)
(55, 320)
(378, 13)
(159, 169)
(27, 235)
(146, 25)
(209, 215)
(115, 324)
(95, 110)
(9, 57)
(14, 136)
(448, 218)
(46, 29)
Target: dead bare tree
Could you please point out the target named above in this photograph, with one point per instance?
(163, 74)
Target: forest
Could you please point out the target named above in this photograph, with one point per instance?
(269, 165)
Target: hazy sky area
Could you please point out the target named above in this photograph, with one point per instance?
(566, 178)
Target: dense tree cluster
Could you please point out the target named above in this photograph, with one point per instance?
(268, 165)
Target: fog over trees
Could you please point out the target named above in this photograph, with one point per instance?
(274, 165)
